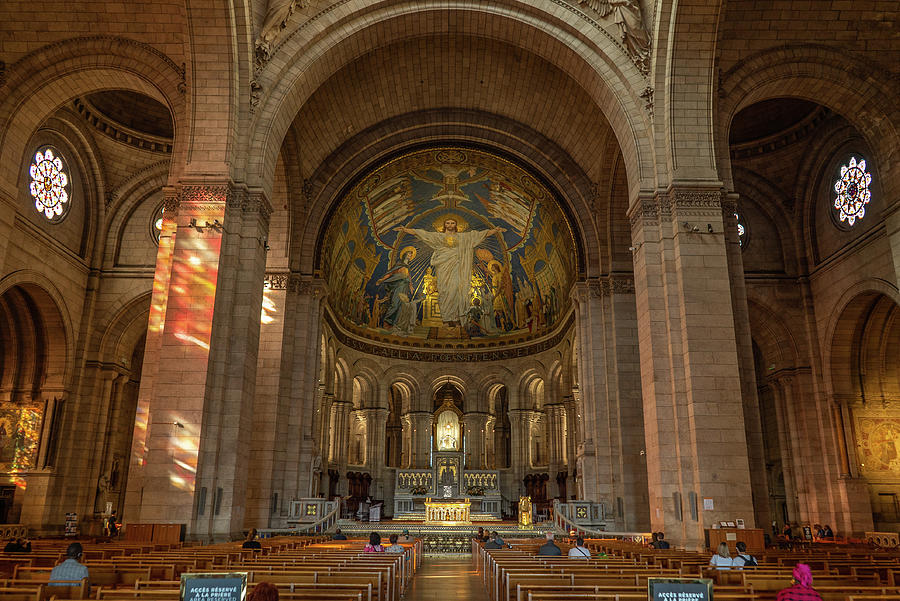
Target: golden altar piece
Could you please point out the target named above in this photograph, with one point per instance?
(447, 512)
(525, 518)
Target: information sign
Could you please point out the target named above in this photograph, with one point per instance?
(679, 589)
(214, 586)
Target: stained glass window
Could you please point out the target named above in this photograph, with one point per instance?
(741, 228)
(852, 189)
(156, 224)
(49, 184)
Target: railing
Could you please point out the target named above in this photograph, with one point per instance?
(325, 523)
(564, 525)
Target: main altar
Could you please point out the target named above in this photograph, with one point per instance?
(447, 488)
(449, 513)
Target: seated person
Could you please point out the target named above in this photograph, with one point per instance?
(374, 544)
(743, 558)
(251, 542)
(338, 535)
(829, 533)
(722, 559)
(802, 589)
(71, 571)
(579, 550)
(549, 547)
(394, 547)
(481, 536)
(494, 543)
(18, 545)
(661, 542)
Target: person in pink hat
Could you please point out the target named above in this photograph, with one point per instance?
(802, 589)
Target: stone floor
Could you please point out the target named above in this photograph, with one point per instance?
(446, 579)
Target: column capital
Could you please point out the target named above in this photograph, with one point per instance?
(307, 286)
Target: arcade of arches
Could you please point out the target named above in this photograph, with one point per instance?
(642, 253)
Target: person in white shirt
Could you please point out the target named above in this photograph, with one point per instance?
(743, 558)
(722, 559)
(579, 550)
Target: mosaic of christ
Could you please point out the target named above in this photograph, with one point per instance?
(449, 244)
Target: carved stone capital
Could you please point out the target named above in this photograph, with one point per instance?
(696, 202)
(305, 285)
(649, 210)
(200, 198)
(276, 281)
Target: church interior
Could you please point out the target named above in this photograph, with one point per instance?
(272, 262)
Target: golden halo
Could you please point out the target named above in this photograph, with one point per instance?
(492, 263)
(461, 224)
(404, 250)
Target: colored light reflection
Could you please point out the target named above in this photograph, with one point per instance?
(269, 309)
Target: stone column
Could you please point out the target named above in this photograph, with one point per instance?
(520, 444)
(406, 454)
(298, 383)
(610, 458)
(421, 439)
(785, 443)
(556, 415)
(746, 367)
(693, 410)
(376, 436)
(475, 423)
(572, 426)
(200, 412)
(340, 433)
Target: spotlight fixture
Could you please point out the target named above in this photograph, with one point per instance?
(686, 225)
(709, 228)
(695, 229)
(195, 225)
(178, 424)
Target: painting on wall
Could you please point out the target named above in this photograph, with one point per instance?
(449, 244)
(878, 444)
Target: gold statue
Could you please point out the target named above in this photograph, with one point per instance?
(525, 519)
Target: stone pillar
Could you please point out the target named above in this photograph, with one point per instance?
(556, 418)
(298, 383)
(572, 426)
(520, 444)
(376, 436)
(340, 433)
(746, 367)
(785, 444)
(475, 423)
(421, 439)
(693, 410)
(610, 458)
(200, 412)
(406, 454)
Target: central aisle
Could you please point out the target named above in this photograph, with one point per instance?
(443, 579)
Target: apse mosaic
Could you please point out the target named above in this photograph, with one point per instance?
(449, 244)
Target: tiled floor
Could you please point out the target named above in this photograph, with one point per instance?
(445, 579)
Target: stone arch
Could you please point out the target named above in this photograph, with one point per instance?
(124, 330)
(599, 66)
(129, 195)
(338, 172)
(52, 306)
(861, 327)
(857, 92)
(758, 190)
(41, 81)
(773, 337)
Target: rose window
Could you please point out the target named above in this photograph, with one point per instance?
(49, 184)
(852, 189)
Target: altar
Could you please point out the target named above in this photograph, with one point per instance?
(426, 493)
(447, 512)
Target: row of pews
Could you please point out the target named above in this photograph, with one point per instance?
(840, 572)
(303, 568)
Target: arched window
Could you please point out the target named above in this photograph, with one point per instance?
(741, 229)
(49, 184)
(156, 223)
(852, 191)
